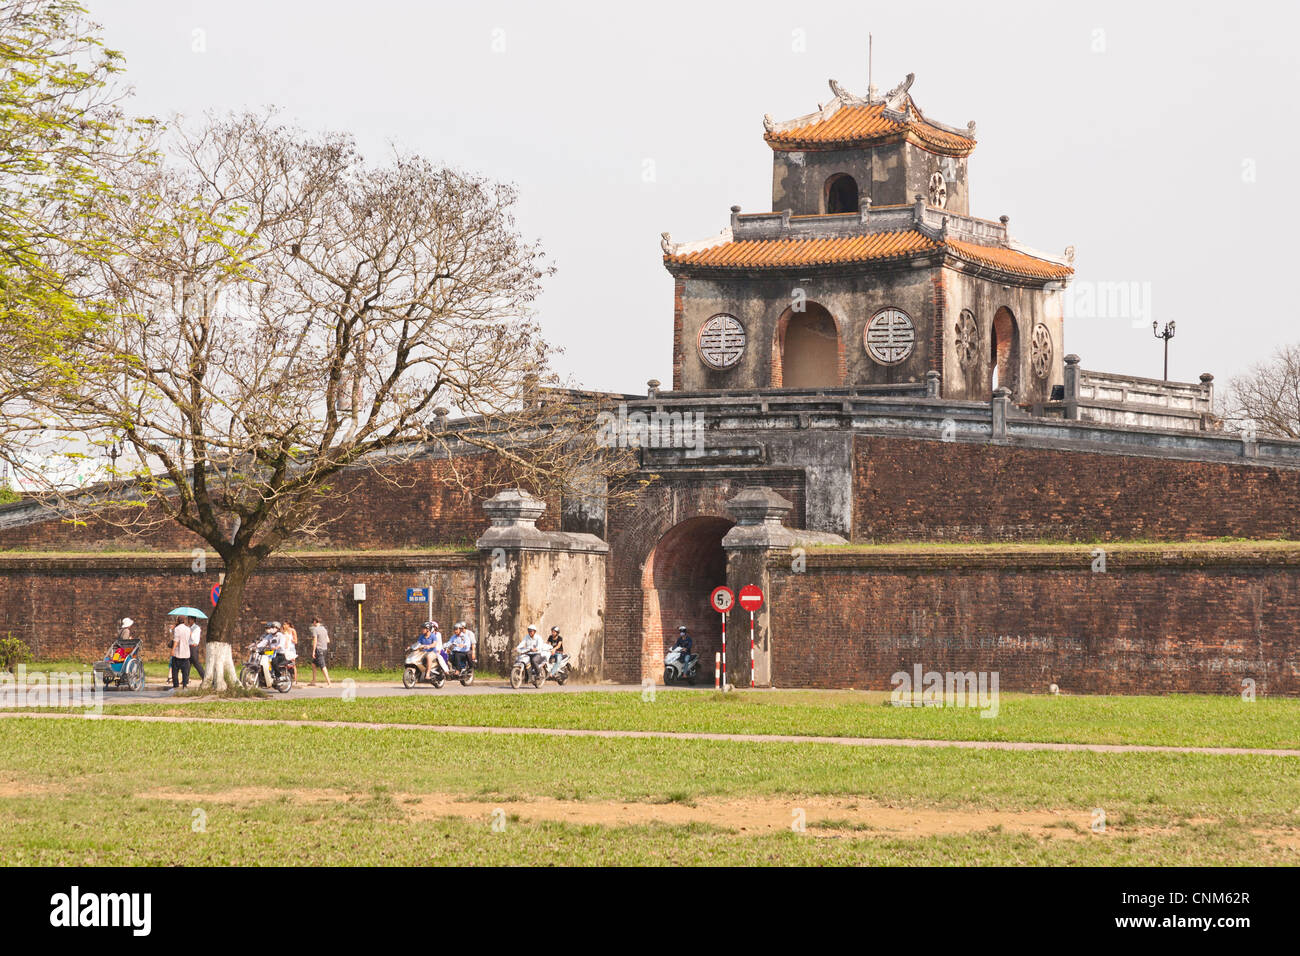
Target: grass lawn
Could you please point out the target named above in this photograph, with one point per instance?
(316, 795)
(1178, 720)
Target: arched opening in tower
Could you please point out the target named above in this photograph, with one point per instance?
(841, 194)
(1005, 351)
(809, 349)
(685, 566)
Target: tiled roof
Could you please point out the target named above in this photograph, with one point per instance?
(873, 247)
(776, 253)
(860, 125)
(1010, 260)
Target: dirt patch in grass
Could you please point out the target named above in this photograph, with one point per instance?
(14, 786)
(821, 816)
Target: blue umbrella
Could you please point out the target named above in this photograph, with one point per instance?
(187, 612)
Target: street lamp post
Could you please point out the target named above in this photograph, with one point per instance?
(1167, 333)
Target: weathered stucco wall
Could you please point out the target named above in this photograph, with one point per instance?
(852, 298)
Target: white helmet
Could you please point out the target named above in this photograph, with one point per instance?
(532, 627)
(127, 622)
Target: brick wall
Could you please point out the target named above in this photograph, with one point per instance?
(913, 489)
(69, 607)
(414, 504)
(1156, 621)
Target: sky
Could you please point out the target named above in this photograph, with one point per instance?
(1156, 138)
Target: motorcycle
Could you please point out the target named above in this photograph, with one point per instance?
(413, 669)
(559, 669)
(679, 666)
(254, 675)
(522, 670)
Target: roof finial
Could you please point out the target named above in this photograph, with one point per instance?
(871, 87)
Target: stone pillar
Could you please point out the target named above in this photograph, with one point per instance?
(1001, 405)
(757, 536)
(530, 576)
(932, 379)
(1072, 386)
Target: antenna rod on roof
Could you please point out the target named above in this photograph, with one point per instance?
(869, 52)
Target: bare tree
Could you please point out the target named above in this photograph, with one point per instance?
(1268, 396)
(287, 311)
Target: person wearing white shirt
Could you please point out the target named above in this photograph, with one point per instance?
(180, 662)
(195, 636)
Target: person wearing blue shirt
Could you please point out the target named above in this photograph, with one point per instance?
(461, 648)
(683, 641)
(430, 643)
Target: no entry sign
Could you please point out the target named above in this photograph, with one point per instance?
(722, 599)
(751, 597)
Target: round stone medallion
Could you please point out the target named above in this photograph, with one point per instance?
(890, 336)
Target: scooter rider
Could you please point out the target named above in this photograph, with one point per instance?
(462, 651)
(532, 646)
(271, 639)
(430, 643)
(557, 645)
(684, 642)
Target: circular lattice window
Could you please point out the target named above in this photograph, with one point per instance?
(938, 191)
(890, 336)
(968, 339)
(1040, 351)
(722, 341)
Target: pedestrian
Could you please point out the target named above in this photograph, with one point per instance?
(320, 645)
(195, 636)
(289, 646)
(180, 662)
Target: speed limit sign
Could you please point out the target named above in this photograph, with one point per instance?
(722, 599)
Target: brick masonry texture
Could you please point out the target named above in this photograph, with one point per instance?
(909, 489)
(67, 608)
(414, 504)
(1153, 622)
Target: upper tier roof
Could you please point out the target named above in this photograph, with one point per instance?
(849, 121)
(876, 234)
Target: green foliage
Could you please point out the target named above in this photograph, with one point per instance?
(13, 652)
(61, 128)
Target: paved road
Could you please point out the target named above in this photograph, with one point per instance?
(670, 735)
(394, 688)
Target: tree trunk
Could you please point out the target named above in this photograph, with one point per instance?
(223, 629)
(221, 664)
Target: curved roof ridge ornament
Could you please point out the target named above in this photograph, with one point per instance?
(895, 97)
(845, 97)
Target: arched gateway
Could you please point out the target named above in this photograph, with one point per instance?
(685, 565)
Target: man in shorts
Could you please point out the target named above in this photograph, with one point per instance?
(320, 645)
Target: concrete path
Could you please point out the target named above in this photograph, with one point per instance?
(672, 735)
(153, 693)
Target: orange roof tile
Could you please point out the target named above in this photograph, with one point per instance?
(873, 247)
(1010, 260)
(776, 253)
(860, 125)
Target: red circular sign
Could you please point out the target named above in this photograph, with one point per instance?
(751, 597)
(215, 594)
(722, 599)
